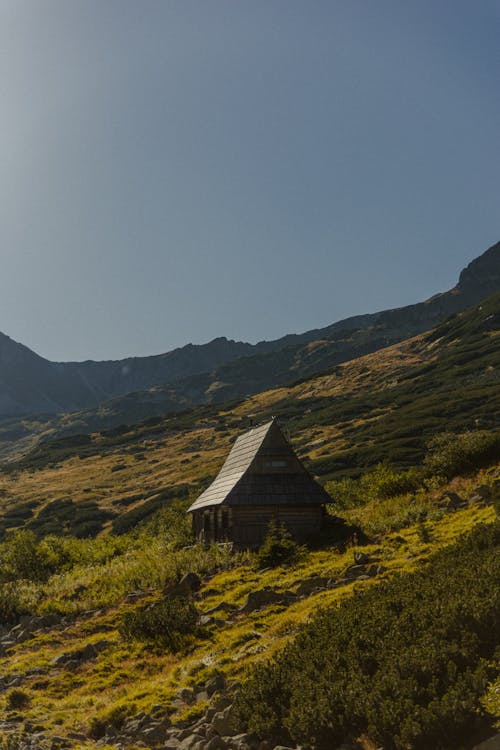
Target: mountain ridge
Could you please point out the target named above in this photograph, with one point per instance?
(215, 371)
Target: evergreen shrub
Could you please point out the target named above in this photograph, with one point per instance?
(278, 548)
(167, 623)
(404, 663)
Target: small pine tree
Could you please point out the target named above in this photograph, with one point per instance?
(278, 547)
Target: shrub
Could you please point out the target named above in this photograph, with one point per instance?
(166, 623)
(13, 603)
(405, 663)
(278, 548)
(383, 483)
(17, 700)
(449, 454)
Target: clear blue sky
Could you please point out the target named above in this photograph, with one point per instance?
(174, 171)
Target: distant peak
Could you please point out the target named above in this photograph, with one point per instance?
(484, 270)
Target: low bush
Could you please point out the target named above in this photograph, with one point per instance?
(13, 603)
(404, 663)
(17, 700)
(167, 623)
(450, 454)
(382, 483)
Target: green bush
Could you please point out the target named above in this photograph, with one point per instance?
(167, 623)
(405, 662)
(278, 548)
(17, 700)
(449, 454)
(13, 603)
(382, 483)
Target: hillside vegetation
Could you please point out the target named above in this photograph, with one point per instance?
(219, 370)
(93, 655)
(404, 663)
(100, 642)
(384, 407)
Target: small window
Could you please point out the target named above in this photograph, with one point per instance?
(277, 464)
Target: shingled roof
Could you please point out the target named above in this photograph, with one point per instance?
(243, 480)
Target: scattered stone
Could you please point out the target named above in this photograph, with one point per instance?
(361, 558)
(223, 606)
(207, 620)
(309, 585)
(224, 722)
(354, 571)
(186, 695)
(216, 743)
(264, 597)
(216, 684)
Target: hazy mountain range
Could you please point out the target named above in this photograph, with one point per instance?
(222, 369)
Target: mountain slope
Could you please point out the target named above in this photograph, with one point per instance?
(223, 369)
(384, 406)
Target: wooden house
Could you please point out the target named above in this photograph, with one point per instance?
(261, 481)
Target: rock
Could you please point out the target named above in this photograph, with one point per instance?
(87, 653)
(241, 742)
(376, 570)
(224, 722)
(186, 695)
(264, 597)
(192, 742)
(223, 606)
(207, 620)
(216, 743)
(308, 585)
(24, 635)
(483, 491)
(201, 697)
(361, 558)
(353, 571)
(154, 731)
(216, 684)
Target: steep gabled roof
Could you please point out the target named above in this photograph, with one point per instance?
(240, 482)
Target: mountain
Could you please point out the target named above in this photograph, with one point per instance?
(222, 369)
(384, 406)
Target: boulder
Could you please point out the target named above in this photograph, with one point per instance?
(264, 597)
(360, 557)
(309, 585)
(216, 684)
(224, 722)
(353, 571)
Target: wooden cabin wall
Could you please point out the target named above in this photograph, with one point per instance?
(247, 525)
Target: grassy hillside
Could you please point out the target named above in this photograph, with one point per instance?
(382, 407)
(94, 648)
(74, 672)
